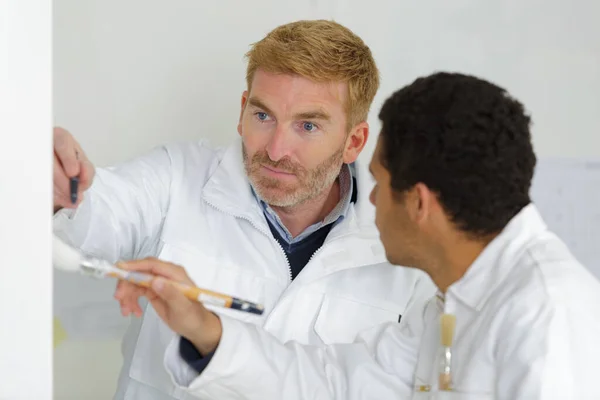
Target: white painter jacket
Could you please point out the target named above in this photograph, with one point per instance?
(528, 328)
(192, 205)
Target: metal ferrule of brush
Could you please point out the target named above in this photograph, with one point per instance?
(95, 267)
(445, 369)
(446, 360)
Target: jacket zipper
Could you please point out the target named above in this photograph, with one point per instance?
(287, 261)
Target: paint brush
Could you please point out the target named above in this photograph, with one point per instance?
(66, 258)
(448, 324)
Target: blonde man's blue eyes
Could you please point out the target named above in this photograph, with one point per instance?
(306, 126)
(309, 126)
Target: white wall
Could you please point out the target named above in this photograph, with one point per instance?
(25, 200)
(130, 75)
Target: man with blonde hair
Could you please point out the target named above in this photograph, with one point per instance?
(281, 217)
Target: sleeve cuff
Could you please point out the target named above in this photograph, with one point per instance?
(225, 358)
(72, 225)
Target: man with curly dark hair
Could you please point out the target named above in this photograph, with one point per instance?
(463, 146)
(516, 317)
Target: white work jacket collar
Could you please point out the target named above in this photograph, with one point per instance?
(498, 259)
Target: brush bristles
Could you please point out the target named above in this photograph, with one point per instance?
(447, 329)
(65, 257)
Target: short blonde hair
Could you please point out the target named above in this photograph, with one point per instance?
(322, 51)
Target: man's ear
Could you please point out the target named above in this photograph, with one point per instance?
(355, 143)
(242, 108)
(420, 200)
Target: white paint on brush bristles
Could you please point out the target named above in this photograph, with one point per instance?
(65, 257)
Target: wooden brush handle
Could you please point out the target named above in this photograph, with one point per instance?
(191, 292)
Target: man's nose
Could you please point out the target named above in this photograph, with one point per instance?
(280, 145)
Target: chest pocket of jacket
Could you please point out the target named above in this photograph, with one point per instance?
(341, 319)
(154, 336)
(222, 275)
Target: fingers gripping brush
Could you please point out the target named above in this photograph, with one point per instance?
(66, 258)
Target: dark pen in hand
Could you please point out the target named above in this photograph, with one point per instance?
(74, 187)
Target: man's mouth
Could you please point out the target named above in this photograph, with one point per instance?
(276, 171)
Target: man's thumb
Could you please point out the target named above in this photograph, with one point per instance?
(167, 291)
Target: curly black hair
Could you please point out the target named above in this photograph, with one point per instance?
(468, 141)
